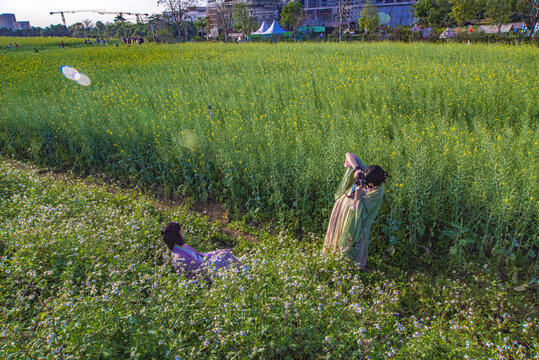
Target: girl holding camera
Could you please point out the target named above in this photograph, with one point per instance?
(358, 199)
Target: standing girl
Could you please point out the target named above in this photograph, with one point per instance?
(358, 199)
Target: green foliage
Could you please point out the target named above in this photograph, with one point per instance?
(201, 25)
(56, 30)
(292, 15)
(498, 11)
(85, 275)
(463, 11)
(433, 12)
(243, 21)
(369, 19)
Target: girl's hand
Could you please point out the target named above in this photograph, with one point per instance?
(350, 160)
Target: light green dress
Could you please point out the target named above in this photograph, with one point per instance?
(348, 228)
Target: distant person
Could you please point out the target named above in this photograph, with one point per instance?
(62, 44)
(16, 46)
(358, 199)
(189, 261)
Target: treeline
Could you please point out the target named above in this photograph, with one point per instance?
(158, 26)
(442, 13)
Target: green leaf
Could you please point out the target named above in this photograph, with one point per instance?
(393, 239)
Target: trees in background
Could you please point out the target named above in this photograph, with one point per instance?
(292, 16)
(56, 30)
(177, 10)
(201, 26)
(441, 13)
(498, 11)
(523, 10)
(119, 19)
(243, 21)
(369, 19)
(164, 29)
(224, 17)
(433, 12)
(463, 11)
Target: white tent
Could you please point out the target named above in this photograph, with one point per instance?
(448, 33)
(262, 28)
(488, 29)
(506, 28)
(274, 29)
(518, 26)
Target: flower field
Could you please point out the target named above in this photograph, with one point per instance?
(454, 125)
(84, 275)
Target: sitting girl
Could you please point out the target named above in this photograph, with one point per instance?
(189, 260)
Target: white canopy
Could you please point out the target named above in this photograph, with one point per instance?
(448, 33)
(489, 29)
(262, 28)
(274, 29)
(506, 28)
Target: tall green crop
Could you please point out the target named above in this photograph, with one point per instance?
(455, 126)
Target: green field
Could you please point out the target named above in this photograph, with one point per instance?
(84, 275)
(454, 125)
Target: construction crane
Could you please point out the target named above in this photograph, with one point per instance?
(69, 12)
(122, 13)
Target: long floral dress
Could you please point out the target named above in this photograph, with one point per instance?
(349, 226)
(187, 260)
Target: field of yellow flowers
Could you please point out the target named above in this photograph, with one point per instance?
(455, 126)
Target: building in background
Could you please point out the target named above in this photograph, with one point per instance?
(9, 21)
(195, 13)
(326, 12)
(23, 25)
(192, 14)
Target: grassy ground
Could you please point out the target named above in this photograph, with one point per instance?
(37, 43)
(83, 274)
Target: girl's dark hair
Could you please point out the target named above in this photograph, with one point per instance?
(375, 175)
(171, 235)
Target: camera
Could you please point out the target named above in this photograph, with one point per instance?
(360, 179)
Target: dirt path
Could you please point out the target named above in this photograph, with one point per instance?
(213, 210)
